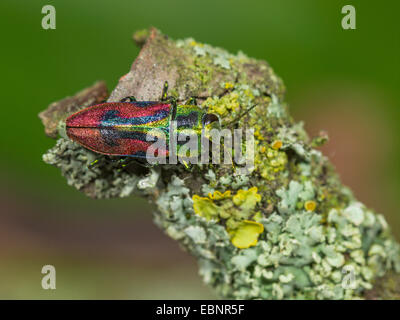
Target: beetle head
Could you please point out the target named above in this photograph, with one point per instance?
(210, 120)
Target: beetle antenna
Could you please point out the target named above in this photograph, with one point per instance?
(241, 115)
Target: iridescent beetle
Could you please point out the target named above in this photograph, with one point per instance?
(120, 128)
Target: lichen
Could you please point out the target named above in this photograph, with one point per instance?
(288, 230)
(246, 234)
(104, 179)
(235, 212)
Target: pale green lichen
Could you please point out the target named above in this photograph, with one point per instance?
(104, 179)
(298, 255)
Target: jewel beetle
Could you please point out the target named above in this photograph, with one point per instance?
(120, 128)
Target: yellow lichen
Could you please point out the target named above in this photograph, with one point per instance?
(247, 199)
(195, 43)
(229, 85)
(235, 211)
(277, 144)
(217, 195)
(310, 205)
(269, 161)
(223, 106)
(249, 94)
(205, 207)
(257, 216)
(246, 234)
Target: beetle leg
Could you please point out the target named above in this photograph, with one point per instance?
(93, 164)
(128, 99)
(169, 99)
(127, 161)
(192, 101)
(143, 163)
(164, 95)
(122, 163)
(164, 91)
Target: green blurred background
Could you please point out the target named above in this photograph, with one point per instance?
(344, 81)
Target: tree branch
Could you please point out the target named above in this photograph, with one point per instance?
(289, 229)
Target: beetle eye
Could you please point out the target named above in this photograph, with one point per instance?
(209, 118)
